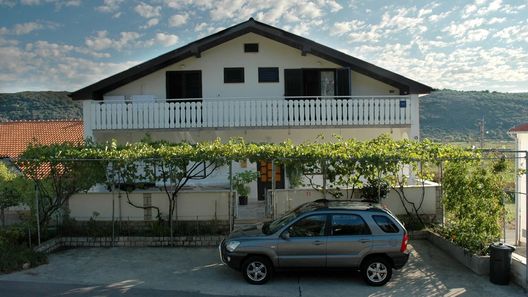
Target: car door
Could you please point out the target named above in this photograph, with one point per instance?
(349, 239)
(305, 245)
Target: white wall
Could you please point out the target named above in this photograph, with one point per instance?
(192, 205)
(274, 135)
(231, 54)
(285, 200)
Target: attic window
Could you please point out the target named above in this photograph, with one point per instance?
(251, 47)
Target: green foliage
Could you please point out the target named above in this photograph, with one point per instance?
(473, 198)
(453, 115)
(376, 190)
(14, 250)
(58, 178)
(241, 181)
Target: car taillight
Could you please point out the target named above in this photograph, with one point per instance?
(404, 242)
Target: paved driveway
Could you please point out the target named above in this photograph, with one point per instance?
(429, 272)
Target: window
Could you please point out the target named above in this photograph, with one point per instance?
(183, 84)
(268, 74)
(309, 227)
(251, 47)
(234, 75)
(348, 224)
(386, 224)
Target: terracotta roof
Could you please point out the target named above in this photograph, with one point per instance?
(520, 128)
(15, 136)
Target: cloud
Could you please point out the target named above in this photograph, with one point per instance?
(58, 3)
(109, 6)
(151, 23)
(340, 28)
(178, 20)
(26, 28)
(8, 3)
(148, 11)
(163, 39)
(102, 42)
(511, 34)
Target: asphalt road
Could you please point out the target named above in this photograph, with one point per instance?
(198, 272)
(33, 289)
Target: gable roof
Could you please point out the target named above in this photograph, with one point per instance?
(16, 136)
(519, 128)
(96, 90)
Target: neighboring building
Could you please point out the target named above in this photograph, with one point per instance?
(16, 136)
(254, 81)
(520, 133)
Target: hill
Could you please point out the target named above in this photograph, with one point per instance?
(444, 114)
(454, 115)
(38, 106)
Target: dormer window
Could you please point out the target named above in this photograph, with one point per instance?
(251, 47)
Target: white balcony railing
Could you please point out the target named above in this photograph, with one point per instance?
(249, 112)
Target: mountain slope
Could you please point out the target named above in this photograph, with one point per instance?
(454, 115)
(38, 106)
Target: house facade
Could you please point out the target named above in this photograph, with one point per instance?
(253, 81)
(520, 133)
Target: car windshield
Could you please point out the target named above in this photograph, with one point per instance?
(274, 226)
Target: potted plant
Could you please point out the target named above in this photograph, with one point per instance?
(241, 182)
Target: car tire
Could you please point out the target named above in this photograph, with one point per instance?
(376, 271)
(257, 270)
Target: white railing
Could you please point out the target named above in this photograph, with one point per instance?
(249, 112)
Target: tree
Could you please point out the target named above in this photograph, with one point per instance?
(57, 179)
(9, 195)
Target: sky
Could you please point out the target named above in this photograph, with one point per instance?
(455, 44)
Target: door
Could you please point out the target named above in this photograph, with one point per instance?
(306, 246)
(265, 179)
(349, 239)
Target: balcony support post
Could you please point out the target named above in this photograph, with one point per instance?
(87, 119)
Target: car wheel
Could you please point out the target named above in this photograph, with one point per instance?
(257, 270)
(376, 271)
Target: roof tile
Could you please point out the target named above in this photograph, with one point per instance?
(16, 136)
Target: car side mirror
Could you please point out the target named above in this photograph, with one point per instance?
(285, 235)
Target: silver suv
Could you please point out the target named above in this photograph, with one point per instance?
(321, 234)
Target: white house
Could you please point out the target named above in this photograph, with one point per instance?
(520, 133)
(255, 81)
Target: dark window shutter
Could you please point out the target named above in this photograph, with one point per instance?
(193, 85)
(343, 82)
(183, 84)
(293, 82)
(174, 84)
(234, 75)
(268, 74)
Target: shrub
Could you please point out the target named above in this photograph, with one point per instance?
(473, 198)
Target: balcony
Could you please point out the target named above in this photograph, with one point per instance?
(248, 113)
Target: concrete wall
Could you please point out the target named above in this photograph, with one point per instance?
(285, 200)
(195, 205)
(231, 54)
(273, 135)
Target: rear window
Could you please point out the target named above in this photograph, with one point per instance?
(386, 224)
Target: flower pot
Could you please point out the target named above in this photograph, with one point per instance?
(242, 200)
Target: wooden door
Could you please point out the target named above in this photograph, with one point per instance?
(264, 182)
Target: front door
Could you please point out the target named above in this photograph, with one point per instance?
(306, 246)
(265, 179)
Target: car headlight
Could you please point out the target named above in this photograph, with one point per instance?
(232, 245)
